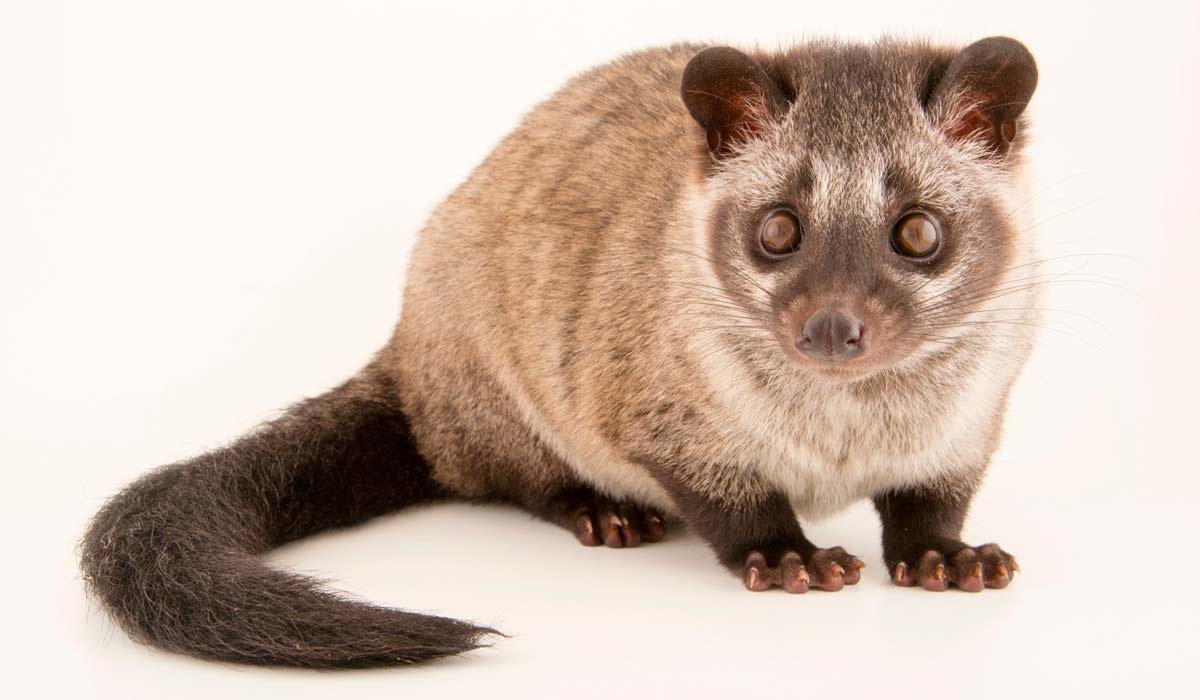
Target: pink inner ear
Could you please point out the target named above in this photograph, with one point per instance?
(969, 121)
(744, 118)
(749, 119)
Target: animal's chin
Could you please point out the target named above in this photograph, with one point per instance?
(841, 371)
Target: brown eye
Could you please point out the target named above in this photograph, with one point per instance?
(917, 235)
(780, 233)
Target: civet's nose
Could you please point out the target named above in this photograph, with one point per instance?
(832, 335)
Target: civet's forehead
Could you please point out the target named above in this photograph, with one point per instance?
(856, 130)
(856, 137)
(866, 177)
(855, 98)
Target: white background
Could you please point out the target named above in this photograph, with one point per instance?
(206, 208)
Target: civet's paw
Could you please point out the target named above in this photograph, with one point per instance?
(613, 524)
(826, 569)
(967, 568)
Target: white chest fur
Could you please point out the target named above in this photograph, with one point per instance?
(827, 449)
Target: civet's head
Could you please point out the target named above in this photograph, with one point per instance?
(856, 197)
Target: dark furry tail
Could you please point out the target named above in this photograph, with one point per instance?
(173, 557)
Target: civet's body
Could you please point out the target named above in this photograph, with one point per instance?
(695, 282)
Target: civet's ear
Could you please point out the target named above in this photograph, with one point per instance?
(730, 96)
(983, 92)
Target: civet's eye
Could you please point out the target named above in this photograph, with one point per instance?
(780, 232)
(917, 235)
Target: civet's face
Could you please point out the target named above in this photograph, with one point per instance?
(858, 210)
